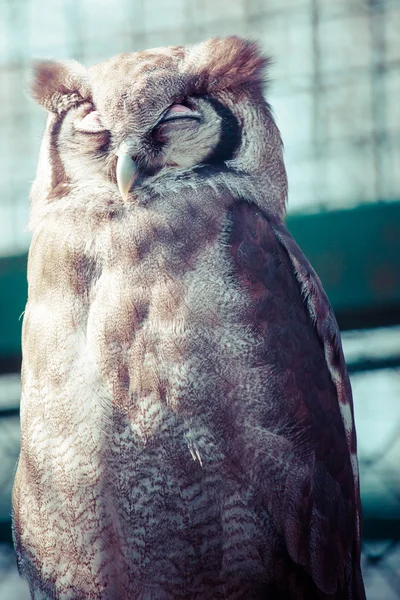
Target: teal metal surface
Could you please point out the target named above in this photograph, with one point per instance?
(356, 254)
(13, 295)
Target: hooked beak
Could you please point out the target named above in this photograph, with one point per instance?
(127, 172)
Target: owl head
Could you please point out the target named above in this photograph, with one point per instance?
(166, 115)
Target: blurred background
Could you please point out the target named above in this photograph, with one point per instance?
(335, 90)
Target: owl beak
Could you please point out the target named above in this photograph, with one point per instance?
(127, 173)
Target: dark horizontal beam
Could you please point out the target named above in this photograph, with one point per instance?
(373, 364)
(374, 315)
(381, 529)
(5, 532)
(9, 412)
(10, 364)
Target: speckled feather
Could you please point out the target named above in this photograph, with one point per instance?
(186, 417)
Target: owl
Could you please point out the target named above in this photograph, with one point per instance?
(187, 423)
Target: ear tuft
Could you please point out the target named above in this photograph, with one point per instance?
(58, 85)
(228, 63)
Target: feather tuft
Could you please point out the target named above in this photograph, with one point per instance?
(56, 85)
(227, 63)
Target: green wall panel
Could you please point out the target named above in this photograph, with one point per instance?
(13, 294)
(355, 252)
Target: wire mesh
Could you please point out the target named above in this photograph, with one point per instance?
(335, 84)
(335, 90)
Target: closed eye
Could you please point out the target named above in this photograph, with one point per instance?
(179, 111)
(90, 123)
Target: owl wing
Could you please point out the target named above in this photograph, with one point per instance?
(319, 510)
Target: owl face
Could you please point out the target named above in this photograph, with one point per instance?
(159, 112)
(179, 132)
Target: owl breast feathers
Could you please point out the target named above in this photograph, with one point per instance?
(186, 414)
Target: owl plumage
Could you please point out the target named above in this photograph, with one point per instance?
(186, 416)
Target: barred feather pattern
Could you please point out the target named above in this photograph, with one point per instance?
(186, 417)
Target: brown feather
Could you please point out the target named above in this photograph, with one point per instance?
(230, 62)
